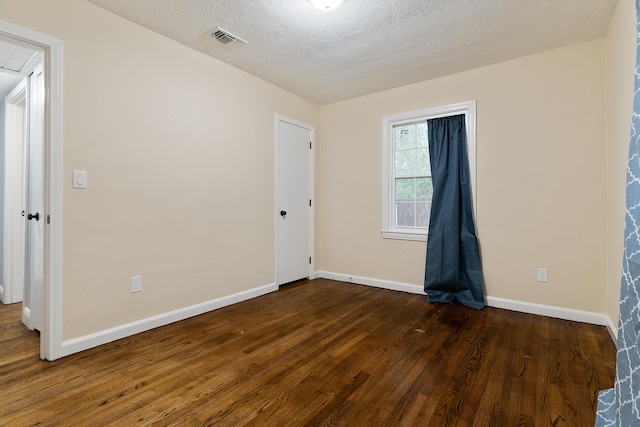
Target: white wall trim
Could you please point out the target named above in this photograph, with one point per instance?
(613, 330)
(103, 337)
(549, 311)
(26, 317)
(384, 284)
(524, 307)
(51, 344)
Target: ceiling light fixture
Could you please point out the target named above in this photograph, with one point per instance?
(326, 4)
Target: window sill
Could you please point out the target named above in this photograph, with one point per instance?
(404, 235)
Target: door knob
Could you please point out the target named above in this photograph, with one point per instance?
(36, 217)
(283, 213)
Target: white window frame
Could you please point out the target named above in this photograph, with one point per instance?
(389, 230)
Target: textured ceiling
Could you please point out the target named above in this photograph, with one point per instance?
(366, 46)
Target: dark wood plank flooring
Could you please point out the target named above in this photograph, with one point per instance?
(318, 353)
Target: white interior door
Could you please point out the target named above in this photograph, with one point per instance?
(294, 219)
(34, 274)
(14, 233)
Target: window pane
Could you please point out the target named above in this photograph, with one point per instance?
(405, 162)
(422, 136)
(424, 189)
(423, 165)
(405, 189)
(411, 158)
(405, 214)
(404, 137)
(423, 212)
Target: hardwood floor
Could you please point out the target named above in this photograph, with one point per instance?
(318, 353)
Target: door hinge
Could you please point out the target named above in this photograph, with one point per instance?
(309, 202)
(309, 145)
(48, 219)
(309, 260)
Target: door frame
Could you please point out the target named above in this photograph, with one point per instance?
(51, 333)
(14, 232)
(278, 119)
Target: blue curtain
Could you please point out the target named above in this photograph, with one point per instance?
(453, 270)
(620, 406)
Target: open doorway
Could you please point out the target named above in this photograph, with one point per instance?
(41, 174)
(22, 191)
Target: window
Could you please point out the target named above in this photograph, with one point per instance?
(407, 182)
(411, 174)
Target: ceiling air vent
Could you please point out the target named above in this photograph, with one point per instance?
(225, 37)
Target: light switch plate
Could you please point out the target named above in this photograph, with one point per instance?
(79, 179)
(136, 284)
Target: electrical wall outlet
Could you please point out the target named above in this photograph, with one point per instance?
(136, 284)
(543, 275)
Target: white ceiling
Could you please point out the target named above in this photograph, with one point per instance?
(8, 81)
(15, 57)
(366, 46)
(16, 61)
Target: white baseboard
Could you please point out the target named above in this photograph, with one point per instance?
(549, 311)
(613, 330)
(26, 317)
(524, 307)
(103, 337)
(384, 284)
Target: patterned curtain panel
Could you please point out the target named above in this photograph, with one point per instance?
(620, 406)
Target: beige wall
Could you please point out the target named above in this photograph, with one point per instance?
(179, 148)
(179, 151)
(620, 65)
(540, 177)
